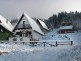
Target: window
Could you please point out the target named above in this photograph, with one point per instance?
(1, 30)
(17, 33)
(14, 39)
(0, 21)
(20, 34)
(21, 39)
(23, 24)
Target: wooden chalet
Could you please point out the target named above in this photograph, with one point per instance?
(66, 27)
(27, 29)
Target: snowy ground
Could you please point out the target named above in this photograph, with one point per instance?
(60, 53)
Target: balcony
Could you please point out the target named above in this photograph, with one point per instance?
(24, 26)
(66, 27)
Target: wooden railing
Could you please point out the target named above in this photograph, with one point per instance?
(40, 43)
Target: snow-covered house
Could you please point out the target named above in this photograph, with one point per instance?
(26, 29)
(66, 27)
(42, 25)
(5, 25)
(6, 28)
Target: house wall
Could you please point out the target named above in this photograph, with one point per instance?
(26, 23)
(66, 31)
(22, 30)
(24, 19)
(19, 39)
(36, 35)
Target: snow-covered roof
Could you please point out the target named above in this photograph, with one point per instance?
(66, 27)
(43, 24)
(33, 24)
(6, 24)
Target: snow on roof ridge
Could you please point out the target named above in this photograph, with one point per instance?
(6, 25)
(33, 24)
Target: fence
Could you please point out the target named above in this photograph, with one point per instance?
(40, 43)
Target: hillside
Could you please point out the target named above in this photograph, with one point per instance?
(75, 37)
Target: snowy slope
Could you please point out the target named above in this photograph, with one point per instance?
(56, 37)
(75, 37)
(42, 54)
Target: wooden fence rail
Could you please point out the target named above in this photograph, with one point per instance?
(38, 43)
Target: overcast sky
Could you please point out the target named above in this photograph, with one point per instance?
(37, 8)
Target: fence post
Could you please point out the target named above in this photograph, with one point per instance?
(44, 43)
(56, 44)
(71, 43)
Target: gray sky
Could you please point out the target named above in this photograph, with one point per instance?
(37, 8)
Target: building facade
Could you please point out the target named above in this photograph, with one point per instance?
(66, 27)
(27, 29)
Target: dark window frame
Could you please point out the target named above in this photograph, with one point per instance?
(0, 21)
